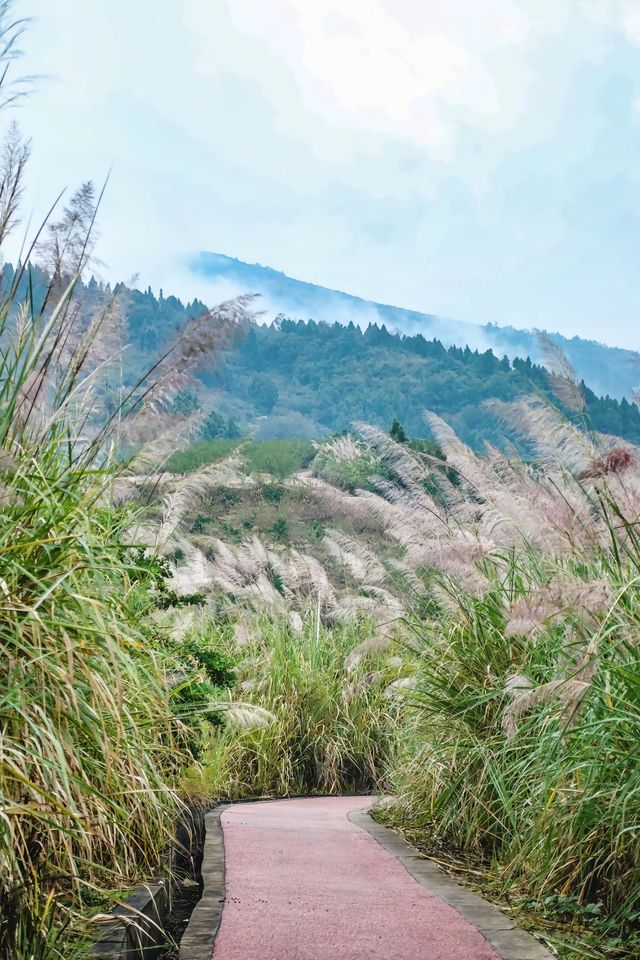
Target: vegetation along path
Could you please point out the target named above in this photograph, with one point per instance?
(318, 879)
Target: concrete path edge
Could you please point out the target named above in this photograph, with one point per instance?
(506, 938)
(504, 935)
(199, 937)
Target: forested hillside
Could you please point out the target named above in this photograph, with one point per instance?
(312, 378)
(605, 369)
(307, 379)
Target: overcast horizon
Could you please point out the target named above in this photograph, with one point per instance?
(475, 161)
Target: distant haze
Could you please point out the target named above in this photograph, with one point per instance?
(606, 370)
(476, 160)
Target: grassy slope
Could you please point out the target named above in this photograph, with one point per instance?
(545, 822)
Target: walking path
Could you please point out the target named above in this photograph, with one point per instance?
(316, 879)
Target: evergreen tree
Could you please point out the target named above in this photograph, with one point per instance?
(397, 432)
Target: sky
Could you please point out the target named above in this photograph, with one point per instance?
(477, 159)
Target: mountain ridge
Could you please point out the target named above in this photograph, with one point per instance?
(608, 370)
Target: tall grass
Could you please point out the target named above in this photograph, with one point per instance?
(85, 721)
(85, 725)
(556, 804)
(522, 745)
(87, 747)
(300, 721)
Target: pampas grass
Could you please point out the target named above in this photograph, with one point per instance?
(323, 731)
(522, 732)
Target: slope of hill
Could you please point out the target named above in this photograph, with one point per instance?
(309, 379)
(297, 379)
(607, 370)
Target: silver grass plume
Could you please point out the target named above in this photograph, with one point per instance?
(200, 339)
(341, 448)
(242, 634)
(528, 614)
(195, 575)
(13, 160)
(398, 687)
(185, 493)
(361, 563)
(471, 470)
(554, 438)
(564, 382)
(247, 716)
(363, 510)
(569, 694)
(158, 435)
(370, 647)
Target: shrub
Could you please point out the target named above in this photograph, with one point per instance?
(272, 493)
(348, 464)
(200, 454)
(215, 427)
(280, 458)
(280, 529)
(331, 731)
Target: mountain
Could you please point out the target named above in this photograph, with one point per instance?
(607, 370)
(307, 379)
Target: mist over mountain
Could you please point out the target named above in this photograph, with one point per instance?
(611, 371)
(307, 378)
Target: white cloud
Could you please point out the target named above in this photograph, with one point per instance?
(619, 15)
(421, 74)
(428, 154)
(399, 69)
(630, 18)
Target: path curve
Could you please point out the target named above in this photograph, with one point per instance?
(304, 882)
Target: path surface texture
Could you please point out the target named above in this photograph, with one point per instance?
(303, 882)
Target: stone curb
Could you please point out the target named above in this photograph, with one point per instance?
(137, 929)
(198, 939)
(509, 942)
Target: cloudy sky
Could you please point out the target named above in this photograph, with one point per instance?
(479, 159)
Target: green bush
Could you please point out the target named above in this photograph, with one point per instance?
(349, 474)
(215, 427)
(206, 676)
(200, 454)
(331, 731)
(279, 458)
(280, 530)
(273, 493)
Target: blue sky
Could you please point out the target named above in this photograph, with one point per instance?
(479, 159)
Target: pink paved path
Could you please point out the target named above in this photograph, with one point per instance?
(304, 883)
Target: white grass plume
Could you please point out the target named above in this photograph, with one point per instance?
(564, 382)
(569, 695)
(247, 716)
